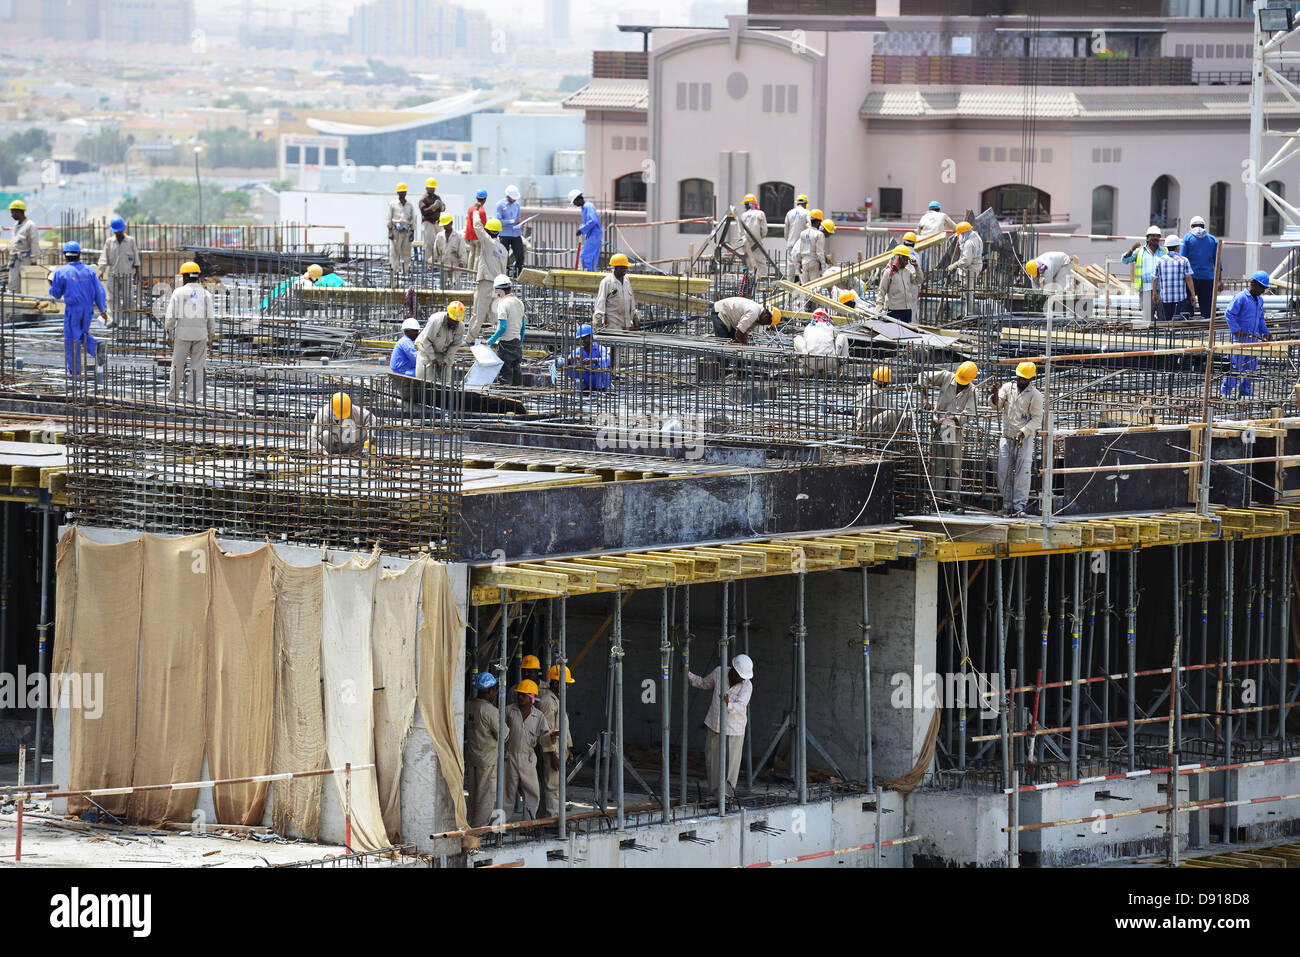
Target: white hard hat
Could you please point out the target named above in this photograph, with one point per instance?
(1173, 239)
(512, 192)
(744, 666)
(501, 282)
(574, 194)
(1198, 221)
(1153, 230)
(411, 323)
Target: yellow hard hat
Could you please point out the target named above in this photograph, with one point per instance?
(493, 225)
(882, 375)
(848, 296)
(1026, 370)
(962, 227)
(801, 198)
(315, 271)
(456, 310)
(444, 219)
(18, 204)
(750, 198)
(901, 250)
(1031, 267)
(189, 267)
(618, 259)
(554, 674)
(530, 663)
(829, 227)
(341, 404)
(909, 237)
(815, 214)
(401, 187)
(430, 183)
(776, 316)
(966, 373)
(526, 687)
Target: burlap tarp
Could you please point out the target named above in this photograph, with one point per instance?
(299, 723)
(65, 596)
(107, 613)
(171, 729)
(241, 681)
(393, 638)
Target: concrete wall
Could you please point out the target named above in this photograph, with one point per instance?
(960, 829)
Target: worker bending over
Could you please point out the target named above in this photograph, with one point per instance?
(876, 414)
(952, 412)
(934, 221)
(482, 728)
(796, 221)
(753, 230)
(548, 702)
(900, 285)
(589, 233)
(1052, 271)
(1021, 406)
(810, 251)
(526, 729)
(491, 257)
(1245, 316)
(431, 210)
(82, 293)
(342, 428)
(511, 327)
(739, 690)
(819, 347)
(736, 317)
(450, 250)
(403, 359)
(438, 342)
(615, 303)
(590, 362)
(401, 231)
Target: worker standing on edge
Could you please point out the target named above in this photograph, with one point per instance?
(933, 221)
(431, 210)
(508, 214)
(589, 233)
(526, 727)
(736, 317)
(1052, 271)
(24, 247)
(810, 250)
(740, 688)
(491, 257)
(753, 230)
(900, 287)
(512, 324)
(1202, 251)
(190, 325)
(82, 293)
(1021, 406)
(955, 407)
(342, 428)
(590, 362)
(479, 210)
(438, 342)
(819, 347)
(403, 359)
(548, 702)
(1143, 261)
(615, 306)
(401, 231)
(1245, 318)
(119, 262)
(450, 251)
(970, 260)
(796, 221)
(482, 728)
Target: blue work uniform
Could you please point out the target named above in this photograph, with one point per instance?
(1202, 253)
(402, 361)
(508, 213)
(591, 237)
(82, 294)
(593, 363)
(1246, 322)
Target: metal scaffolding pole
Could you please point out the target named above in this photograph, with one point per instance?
(800, 637)
(963, 584)
(1203, 701)
(721, 693)
(1285, 649)
(1132, 659)
(1265, 620)
(744, 638)
(866, 675)
(1060, 643)
(4, 590)
(1075, 628)
(686, 668)
(562, 663)
(1176, 679)
(1105, 660)
(617, 652)
(502, 662)
(1226, 676)
(47, 579)
(1020, 566)
(665, 713)
(1002, 670)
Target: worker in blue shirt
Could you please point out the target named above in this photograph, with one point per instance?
(1202, 251)
(1246, 321)
(589, 363)
(82, 293)
(402, 360)
(589, 232)
(508, 213)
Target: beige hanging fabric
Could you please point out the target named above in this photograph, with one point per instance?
(107, 612)
(241, 681)
(170, 732)
(393, 637)
(299, 722)
(441, 634)
(65, 597)
(349, 691)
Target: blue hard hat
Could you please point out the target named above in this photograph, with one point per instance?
(1261, 277)
(485, 681)
(934, 204)
(481, 194)
(584, 330)
(73, 247)
(118, 224)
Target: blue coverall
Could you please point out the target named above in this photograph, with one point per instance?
(591, 237)
(402, 361)
(1246, 321)
(590, 366)
(82, 294)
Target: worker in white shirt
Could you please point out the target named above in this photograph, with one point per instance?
(24, 247)
(1020, 405)
(736, 697)
(438, 341)
(615, 306)
(753, 230)
(736, 317)
(877, 414)
(491, 257)
(512, 325)
(970, 260)
(189, 324)
(810, 250)
(119, 263)
(401, 231)
(900, 285)
(527, 729)
(1051, 270)
(819, 347)
(796, 221)
(482, 728)
(450, 251)
(548, 700)
(934, 220)
(954, 409)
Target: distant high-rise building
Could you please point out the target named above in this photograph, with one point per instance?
(418, 28)
(168, 22)
(555, 23)
(73, 21)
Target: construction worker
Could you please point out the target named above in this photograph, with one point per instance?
(491, 257)
(403, 359)
(342, 428)
(810, 250)
(480, 200)
(548, 701)
(909, 240)
(438, 341)
(1202, 251)
(819, 347)
(512, 324)
(119, 264)
(1171, 287)
(740, 688)
(955, 407)
(315, 276)
(450, 250)
(401, 231)
(1143, 259)
(900, 285)
(876, 414)
(527, 728)
(1052, 271)
(589, 233)
(431, 210)
(508, 214)
(482, 728)
(590, 362)
(796, 221)
(753, 230)
(1245, 318)
(615, 306)
(736, 317)
(934, 220)
(24, 247)
(82, 293)
(970, 258)
(1021, 406)
(190, 324)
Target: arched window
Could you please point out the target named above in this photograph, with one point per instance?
(694, 199)
(775, 200)
(629, 191)
(1218, 220)
(1103, 211)
(1018, 202)
(1164, 201)
(1272, 218)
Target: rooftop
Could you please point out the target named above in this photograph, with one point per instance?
(611, 95)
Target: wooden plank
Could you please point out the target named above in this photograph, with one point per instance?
(516, 577)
